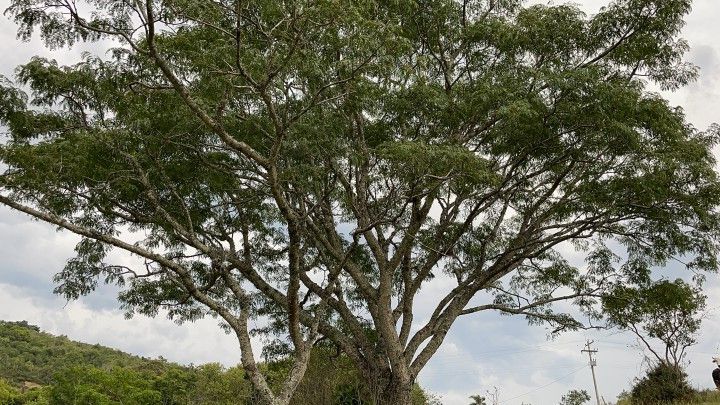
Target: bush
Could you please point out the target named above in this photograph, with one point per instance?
(663, 384)
(87, 385)
(8, 393)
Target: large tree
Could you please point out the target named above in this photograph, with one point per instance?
(317, 163)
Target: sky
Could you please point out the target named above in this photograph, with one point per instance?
(481, 352)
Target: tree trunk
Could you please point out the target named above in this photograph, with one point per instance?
(396, 393)
(388, 389)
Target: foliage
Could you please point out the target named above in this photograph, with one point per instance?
(319, 163)
(478, 400)
(92, 386)
(27, 354)
(669, 311)
(623, 398)
(663, 384)
(575, 397)
(10, 395)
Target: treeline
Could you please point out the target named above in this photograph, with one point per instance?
(42, 369)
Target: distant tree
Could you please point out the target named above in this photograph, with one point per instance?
(575, 397)
(38, 396)
(320, 163)
(8, 393)
(211, 386)
(668, 312)
(93, 386)
(25, 324)
(478, 400)
(175, 385)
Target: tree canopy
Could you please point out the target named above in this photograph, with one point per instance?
(317, 163)
(575, 397)
(668, 311)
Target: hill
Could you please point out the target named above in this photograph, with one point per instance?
(30, 355)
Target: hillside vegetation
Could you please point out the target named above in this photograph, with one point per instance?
(70, 372)
(28, 354)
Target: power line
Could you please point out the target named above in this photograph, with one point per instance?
(501, 372)
(543, 386)
(441, 357)
(508, 350)
(505, 370)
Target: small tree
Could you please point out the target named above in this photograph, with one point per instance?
(668, 312)
(575, 397)
(663, 384)
(478, 400)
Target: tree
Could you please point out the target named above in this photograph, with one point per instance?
(84, 385)
(664, 384)
(8, 393)
(317, 163)
(667, 311)
(575, 397)
(478, 400)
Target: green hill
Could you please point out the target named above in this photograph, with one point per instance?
(70, 372)
(27, 354)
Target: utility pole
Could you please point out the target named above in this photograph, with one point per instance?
(590, 353)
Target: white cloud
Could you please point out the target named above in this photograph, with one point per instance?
(198, 342)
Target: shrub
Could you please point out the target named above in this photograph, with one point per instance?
(8, 393)
(663, 384)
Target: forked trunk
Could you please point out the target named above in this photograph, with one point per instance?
(389, 389)
(397, 393)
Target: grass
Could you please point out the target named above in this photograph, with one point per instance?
(707, 397)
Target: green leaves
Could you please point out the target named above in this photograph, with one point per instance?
(575, 397)
(80, 275)
(628, 305)
(86, 386)
(555, 34)
(341, 153)
(669, 311)
(420, 163)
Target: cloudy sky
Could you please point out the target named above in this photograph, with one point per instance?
(479, 354)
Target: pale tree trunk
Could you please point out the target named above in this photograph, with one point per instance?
(398, 392)
(388, 388)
